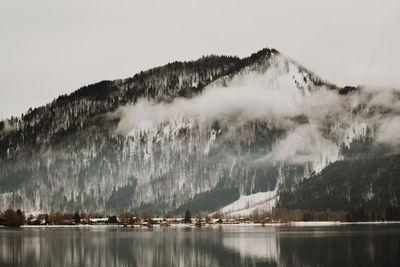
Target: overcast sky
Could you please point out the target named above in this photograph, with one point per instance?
(52, 47)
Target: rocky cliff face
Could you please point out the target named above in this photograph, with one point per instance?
(190, 135)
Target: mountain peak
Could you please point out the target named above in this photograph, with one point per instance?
(199, 134)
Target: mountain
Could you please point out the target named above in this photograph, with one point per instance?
(220, 132)
(369, 183)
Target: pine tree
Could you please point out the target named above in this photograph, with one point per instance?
(188, 217)
(77, 218)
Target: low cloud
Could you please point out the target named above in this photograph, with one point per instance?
(304, 144)
(271, 96)
(274, 97)
(389, 133)
(248, 103)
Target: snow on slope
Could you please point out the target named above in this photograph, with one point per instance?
(245, 205)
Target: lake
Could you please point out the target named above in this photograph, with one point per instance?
(348, 245)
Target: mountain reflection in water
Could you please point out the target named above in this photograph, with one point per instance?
(354, 245)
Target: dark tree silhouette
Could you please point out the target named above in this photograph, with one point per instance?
(392, 213)
(188, 217)
(112, 219)
(77, 218)
(14, 218)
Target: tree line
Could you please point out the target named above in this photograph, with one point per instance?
(11, 218)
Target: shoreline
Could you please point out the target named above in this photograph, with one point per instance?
(244, 225)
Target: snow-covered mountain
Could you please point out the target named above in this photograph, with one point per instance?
(212, 133)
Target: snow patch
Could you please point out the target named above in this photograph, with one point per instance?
(355, 132)
(245, 205)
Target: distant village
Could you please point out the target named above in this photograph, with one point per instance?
(17, 218)
(11, 218)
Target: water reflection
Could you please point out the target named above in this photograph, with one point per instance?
(329, 246)
(261, 244)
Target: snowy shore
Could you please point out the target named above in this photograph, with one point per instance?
(239, 225)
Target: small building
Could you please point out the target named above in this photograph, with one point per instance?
(157, 220)
(85, 221)
(230, 221)
(219, 220)
(266, 220)
(175, 220)
(98, 220)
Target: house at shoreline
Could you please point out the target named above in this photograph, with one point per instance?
(98, 221)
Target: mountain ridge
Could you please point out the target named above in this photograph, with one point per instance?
(194, 135)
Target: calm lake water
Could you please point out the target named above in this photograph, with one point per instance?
(351, 245)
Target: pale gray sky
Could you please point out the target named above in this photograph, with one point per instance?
(52, 47)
